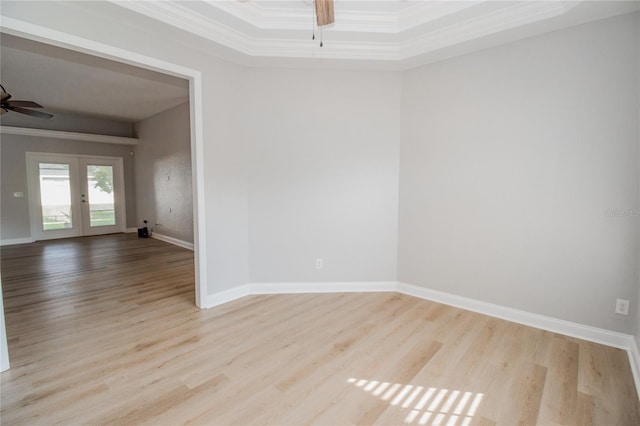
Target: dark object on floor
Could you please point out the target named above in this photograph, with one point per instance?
(144, 231)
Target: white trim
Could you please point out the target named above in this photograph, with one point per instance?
(568, 328)
(226, 296)
(322, 287)
(57, 134)
(13, 241)
(171, 240)
(299, 287)
(4, 348)
(262, 41)
(131, 230)
(198, 187)
(634, 360)
(57, 38)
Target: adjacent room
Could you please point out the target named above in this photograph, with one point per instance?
(362, 212)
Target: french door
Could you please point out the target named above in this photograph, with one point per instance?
(74, 195)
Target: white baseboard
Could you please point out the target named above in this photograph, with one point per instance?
(322, 287)
(555, 325)
(568, 328)
(171, 240)
(290, 288)
(13, 241)
(634, 360)
(226, 296)
(131, 230)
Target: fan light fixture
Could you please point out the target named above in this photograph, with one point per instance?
(324, 16)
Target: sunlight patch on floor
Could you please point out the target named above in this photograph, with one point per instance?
(427, 405)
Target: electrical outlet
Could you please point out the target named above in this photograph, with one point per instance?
(319, 263)
(622, 307)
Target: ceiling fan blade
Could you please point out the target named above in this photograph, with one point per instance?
(29, 112)
(324, 12)
(28, 104)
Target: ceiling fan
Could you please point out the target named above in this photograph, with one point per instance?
(324, 15)
(324, 12)
(6, 105)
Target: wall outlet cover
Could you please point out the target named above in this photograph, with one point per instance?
(622, 307)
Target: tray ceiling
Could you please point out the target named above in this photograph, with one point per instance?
(383, 30)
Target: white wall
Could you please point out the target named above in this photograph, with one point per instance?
(509, 159)
(323, 149)
(163, 173)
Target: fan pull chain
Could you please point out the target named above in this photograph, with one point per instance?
(313, 25)
(313, 21)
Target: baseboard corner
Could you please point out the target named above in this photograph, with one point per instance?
(226, 296)
(171, 240)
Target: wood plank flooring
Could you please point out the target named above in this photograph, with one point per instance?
(103, 330)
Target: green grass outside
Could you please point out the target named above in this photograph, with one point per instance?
(103, 218)
(97, 218)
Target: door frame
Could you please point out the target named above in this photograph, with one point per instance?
(54, 37)
(33, 158)
(119, 202)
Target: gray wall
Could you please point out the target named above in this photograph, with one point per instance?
(14, 212)
(323, 174)
(163, 173)
(510, 158)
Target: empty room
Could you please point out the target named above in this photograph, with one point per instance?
(361, 212)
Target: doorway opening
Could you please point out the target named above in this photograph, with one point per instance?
(60, 39)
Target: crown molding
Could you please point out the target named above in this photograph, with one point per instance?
(487, 24)
(292, 18)
(339, 45)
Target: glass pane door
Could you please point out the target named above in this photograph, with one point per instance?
(74, 195)
(100, 195)
(55, 196)
(54, 208)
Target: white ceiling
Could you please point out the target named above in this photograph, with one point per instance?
(67, 81)
(396, 31)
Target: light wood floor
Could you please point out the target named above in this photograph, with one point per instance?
(104, 330)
